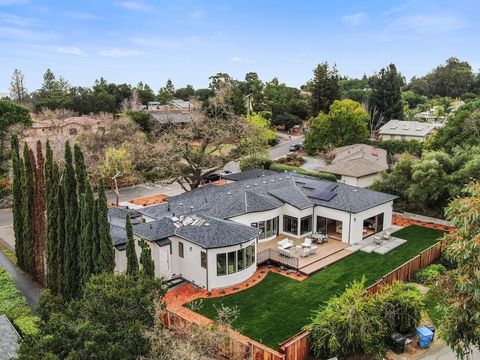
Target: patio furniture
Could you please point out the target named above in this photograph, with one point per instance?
(307, 242)
(285, 244)
(313, 249)
(339, 228)
(377, 240)
(285, 252)
(386, 235)
(304, 252)
(319, 238)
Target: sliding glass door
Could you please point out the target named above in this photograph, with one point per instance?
(321, 225)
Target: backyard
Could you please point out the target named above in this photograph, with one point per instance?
(279, 307)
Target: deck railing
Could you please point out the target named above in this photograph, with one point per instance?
(275, 256)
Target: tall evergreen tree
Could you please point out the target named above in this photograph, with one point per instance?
(71, 279)
(148, 266)
(80, 170)
(17, 207)
(325, 88)
(59, 266)
(385, 100)
(53, 179)
(132, 262)
(95, 238)
(28, 188)
(106, 258)
(39, 218)
(86, 235)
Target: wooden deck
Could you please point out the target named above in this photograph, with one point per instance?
(327, 253)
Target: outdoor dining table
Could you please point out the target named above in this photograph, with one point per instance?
(319, 238)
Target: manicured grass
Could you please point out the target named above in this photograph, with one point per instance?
(279, 307)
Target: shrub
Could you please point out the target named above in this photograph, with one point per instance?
(429, 275)
(292, 160)
(255, 163)
(5, 187)
(356, 323)
(282, 167)
(413, 147)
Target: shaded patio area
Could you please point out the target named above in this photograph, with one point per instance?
(326, 253)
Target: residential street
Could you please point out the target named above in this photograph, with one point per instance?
(29, 288)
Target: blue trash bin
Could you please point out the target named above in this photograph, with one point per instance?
(425, 337)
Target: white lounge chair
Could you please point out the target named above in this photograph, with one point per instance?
(285, 252)
(313, 249)
(307, 242)
(386, 235)
(285, 244)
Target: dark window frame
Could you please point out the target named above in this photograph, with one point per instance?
(181, 250)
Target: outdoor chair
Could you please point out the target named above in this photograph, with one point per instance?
(285, 244)
(313, 249)
(307, 242)
(377, 240)
(386, 235)
(304, 252)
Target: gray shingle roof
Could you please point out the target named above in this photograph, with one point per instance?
(249, 174)
(155, 230)
(407, 128)
(121, 212)
(9, 339)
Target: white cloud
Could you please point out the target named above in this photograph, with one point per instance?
(355, 19)
(434, 22)
(24, 34)
(118, 53)
(197, 14)
(133, 5)
(6, 18)
(71, 50)
(241, 60)
(12, 2)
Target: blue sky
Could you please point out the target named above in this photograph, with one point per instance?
(189, 40)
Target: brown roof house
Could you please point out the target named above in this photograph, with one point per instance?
(358, 165)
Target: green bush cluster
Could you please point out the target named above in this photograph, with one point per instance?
(255, 163)
(429, 275)
(321, 175)
(14, 305)
(413, 147)
(356, 323)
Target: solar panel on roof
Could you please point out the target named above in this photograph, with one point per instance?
(323, 195)
(331, 186)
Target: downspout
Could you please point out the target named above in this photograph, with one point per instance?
(208, 263)
(349, 227)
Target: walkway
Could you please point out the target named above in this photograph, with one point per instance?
(23, 282)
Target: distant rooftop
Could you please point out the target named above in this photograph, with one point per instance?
(9, 339)
(357, 160)
(408, 128)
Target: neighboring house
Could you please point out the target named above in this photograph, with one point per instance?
(177, 111)
(407, 130)
(357, 165)
(209, 235)
(175, 104)
(9, 339)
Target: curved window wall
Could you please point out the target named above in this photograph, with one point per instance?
(235, 261)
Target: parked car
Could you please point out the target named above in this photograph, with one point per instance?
(295, 147)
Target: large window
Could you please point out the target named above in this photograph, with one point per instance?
(203, 259)
(306, 225)
(180, 249)
(321, 225)
(235, 261)
(232, 262)
(269, 228)
(290, 224)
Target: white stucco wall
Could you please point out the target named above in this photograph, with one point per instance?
(214, 281)
(121, 257)
(405, 137)
(358, 218)
(334, 214)
(189, 266)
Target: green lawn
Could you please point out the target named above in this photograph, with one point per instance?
(279, 307)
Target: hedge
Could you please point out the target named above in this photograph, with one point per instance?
(321, 175)
(14, 305)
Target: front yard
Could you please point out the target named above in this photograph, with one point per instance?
(279, 307)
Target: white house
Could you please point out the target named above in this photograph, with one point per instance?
(357, 165)
(408, 130)
(209, 236)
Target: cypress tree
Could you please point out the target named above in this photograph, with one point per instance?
(86, 234)
(95, 238)
(17, 208)
(39, 217)
(71, 275)
(28, 189)
(80, 170)
(53, 179)
(106, 258)
(59, 266)
(132, 262)
(148, 267)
